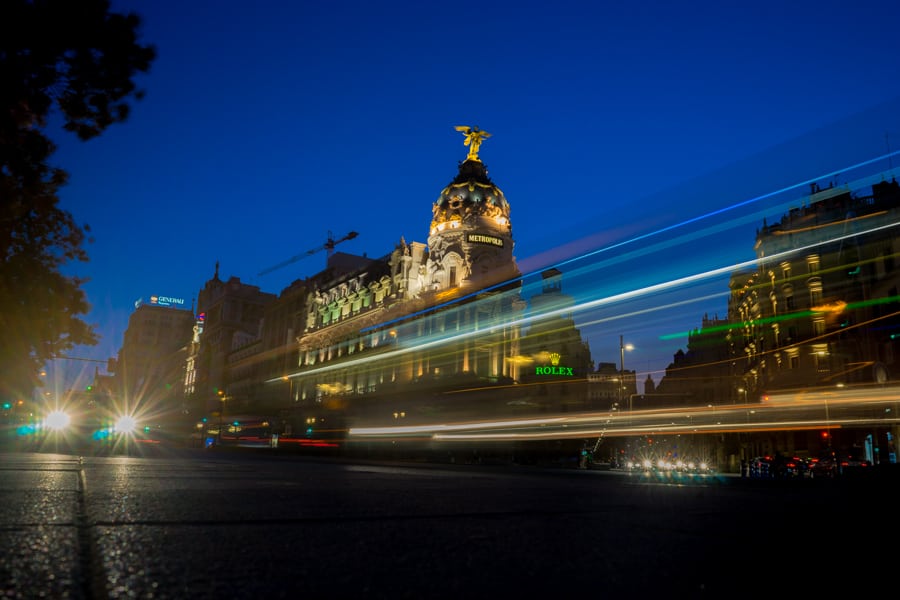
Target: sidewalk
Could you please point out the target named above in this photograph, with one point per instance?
(43, 532)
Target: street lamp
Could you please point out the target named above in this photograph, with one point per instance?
(622, 348)
(290, 382)
(743, 391)
(222, 399)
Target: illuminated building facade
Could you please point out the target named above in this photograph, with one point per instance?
(425, 332)
(387, 340)
(822, 308)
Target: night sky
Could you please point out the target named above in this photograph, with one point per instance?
(265, 128)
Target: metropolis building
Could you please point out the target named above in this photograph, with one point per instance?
(429, 331)
(449, 329)
(423, 318)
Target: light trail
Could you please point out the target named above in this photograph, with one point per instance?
(638, 238)
(807, 410)
(425, 343)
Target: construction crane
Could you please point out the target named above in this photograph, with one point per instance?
(329, 245)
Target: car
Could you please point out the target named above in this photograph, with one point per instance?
(790, 467)
(836, 464)
(778, 467)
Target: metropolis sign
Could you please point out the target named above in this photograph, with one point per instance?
(480, 238)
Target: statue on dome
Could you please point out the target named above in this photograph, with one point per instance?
(474, 137)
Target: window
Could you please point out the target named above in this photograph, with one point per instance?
(786, 270)
(815, 296)
(815, 291)
(812, 263)
(819, 327)
(789, 302)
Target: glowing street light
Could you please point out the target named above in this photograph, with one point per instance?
(622, 348)
(290, 383)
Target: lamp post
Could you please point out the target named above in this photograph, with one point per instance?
(622, 348)
(222, 398)
(743, 391)
(290, 382)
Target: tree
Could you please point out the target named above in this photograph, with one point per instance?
(77, 60)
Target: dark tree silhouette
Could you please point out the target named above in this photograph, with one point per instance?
(77, 60)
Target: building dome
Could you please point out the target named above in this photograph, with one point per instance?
(473, 200)
(470, 239)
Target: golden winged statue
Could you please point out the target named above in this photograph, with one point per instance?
(474, 137)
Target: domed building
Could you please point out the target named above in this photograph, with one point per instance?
(393, 336)
(470, 239)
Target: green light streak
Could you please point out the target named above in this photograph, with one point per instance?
(779, 318)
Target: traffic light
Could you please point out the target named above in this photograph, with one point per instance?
(7, 405)
(89, 388)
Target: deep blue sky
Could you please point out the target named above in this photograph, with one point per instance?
(265, 128)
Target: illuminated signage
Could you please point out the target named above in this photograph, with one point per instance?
(480, 238)
(555, 369)
(166, 301)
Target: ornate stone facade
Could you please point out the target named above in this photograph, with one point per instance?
(398, 306)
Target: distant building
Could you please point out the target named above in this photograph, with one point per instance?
(700, 376)
(231, 313)
(149, 370)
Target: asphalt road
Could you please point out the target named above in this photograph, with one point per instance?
(208, 524)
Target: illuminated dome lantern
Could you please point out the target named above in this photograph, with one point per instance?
(470, 240)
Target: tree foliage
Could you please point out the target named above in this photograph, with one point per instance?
(77, 60)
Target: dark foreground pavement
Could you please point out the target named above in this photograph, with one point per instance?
(211, 525)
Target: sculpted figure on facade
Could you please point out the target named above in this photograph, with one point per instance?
(436, 248)
(420, 279)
